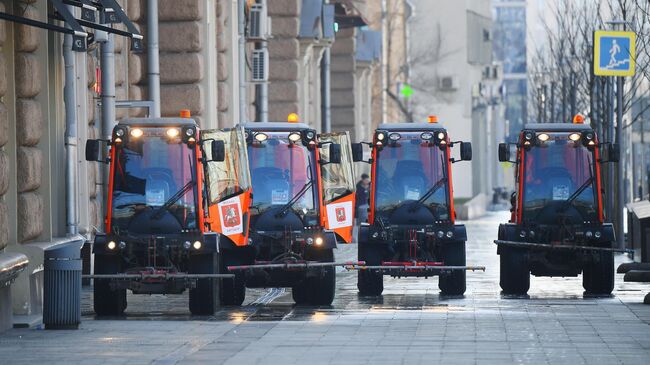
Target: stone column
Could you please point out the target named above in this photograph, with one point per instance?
(343, 70)
(285, 69)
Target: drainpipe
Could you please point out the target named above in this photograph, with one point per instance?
(153, 62)
(326, 91)
(70, 99)
(241, 19)
(108, 96)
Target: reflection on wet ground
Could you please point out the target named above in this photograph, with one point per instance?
(410, 323)
(405, 294)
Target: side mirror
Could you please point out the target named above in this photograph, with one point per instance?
(335, 153)
(92, 150)
(357, 152)
(614, 152)
(218, 151)
(466, 151)
(504, 152)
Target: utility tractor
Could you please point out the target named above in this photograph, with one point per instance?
(411, 228)
(156, 239)
(302, 206)
(557, 226)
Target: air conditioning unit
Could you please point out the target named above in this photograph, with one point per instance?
(260, 67)
(448, 83)
(258, 27)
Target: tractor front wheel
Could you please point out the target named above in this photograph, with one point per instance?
(454, 282)
(233, 291)
(515, 275)
(108, 302)
(319, 289)
(204, 299)
(598, 274)
(369, 282)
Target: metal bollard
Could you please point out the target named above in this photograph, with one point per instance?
(62, 286)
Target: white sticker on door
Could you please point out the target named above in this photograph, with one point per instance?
(339, 215)
(231, 216)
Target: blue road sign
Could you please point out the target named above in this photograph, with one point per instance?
(614, 53)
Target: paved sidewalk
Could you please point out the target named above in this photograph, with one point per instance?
(411, 323)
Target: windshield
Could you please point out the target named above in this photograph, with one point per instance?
(148, 172)
(407, 170)
(279, 171)
(554, 171)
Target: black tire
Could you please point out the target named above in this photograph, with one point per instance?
(515, 274)
(320, 289)
(454, 283)
(598, 275)
(369, 283)
(233, 291)
(108, 302)
(300, 293)
(204, 299)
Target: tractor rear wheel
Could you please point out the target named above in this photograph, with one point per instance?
(369, 282)
(454, 282)
(204, 299)
(598, 274)
(515, 275)
(233, 291)
(108, 302)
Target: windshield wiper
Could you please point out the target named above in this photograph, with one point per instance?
(173, 199)
(295, 198)
(576, 194)
(440, 183)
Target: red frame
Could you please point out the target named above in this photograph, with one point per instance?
(517, 216)
(373, 186)
(199, 186)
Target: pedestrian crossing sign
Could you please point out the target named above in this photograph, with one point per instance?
(614, 53)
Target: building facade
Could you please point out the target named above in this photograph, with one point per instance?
(453, 76)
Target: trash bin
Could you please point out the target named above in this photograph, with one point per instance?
(62, 285)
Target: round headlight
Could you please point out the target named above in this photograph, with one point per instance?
(111, 245)
(310, 241)
(522, 234)
(440, 234)
(531, 234)
(426, 136)
(543, 137)
(119, 132)
(261, 137)
(294, 137)
(441, 135)
(189, 132)
(197, 245)
(589, 234)
(122, 245)
(528, 136)
(136, 133)
(575, 137)
(450, 234)
(394, 136)
(172, 132)
(318, 241)
(381, 136)
(310, 135)
(589, 136)
(187, 245)
(597, 234)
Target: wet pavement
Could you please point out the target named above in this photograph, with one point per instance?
(410, 323)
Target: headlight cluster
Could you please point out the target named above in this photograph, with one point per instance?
(442, 234)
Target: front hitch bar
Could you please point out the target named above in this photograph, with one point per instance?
(416, 268)
(294, 265)
(138, 277)
(562, 247)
